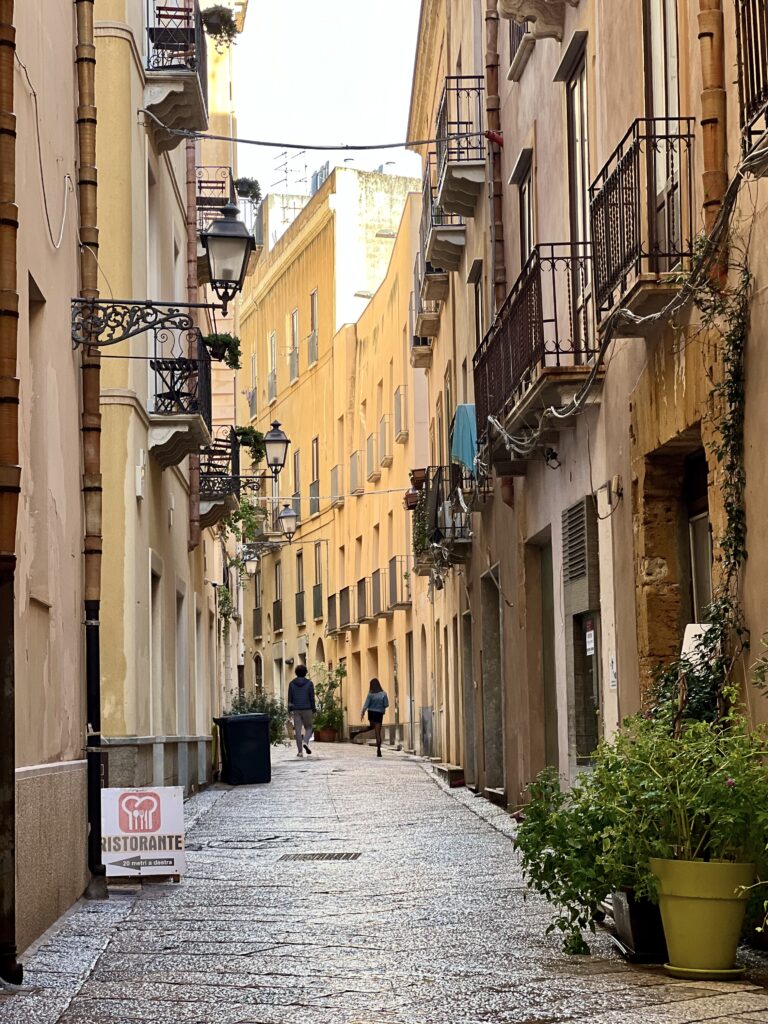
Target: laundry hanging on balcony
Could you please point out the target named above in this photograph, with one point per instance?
(464, 437)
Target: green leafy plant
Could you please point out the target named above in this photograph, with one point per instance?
(219, 22)
(253, 440)
(225, 347)
(265, 704)
(330, 714)
(226, 606)
(248, 188)
(419, 526)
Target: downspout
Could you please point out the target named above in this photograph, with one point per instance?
(10, 486)
(192, 296)
(494, 136)
(85, 61)
(713, 111)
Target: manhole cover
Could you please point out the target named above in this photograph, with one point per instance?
(320, 856)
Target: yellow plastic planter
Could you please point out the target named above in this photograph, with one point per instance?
(702, 909)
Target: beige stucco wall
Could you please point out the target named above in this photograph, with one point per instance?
(50, 679)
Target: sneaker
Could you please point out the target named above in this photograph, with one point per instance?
(299, 754)
(307, 749)
(378, 753)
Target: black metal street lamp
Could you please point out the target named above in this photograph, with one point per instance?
(228, 246)
(288, 520)
(276, 444)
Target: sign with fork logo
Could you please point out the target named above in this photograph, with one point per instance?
(143, 831)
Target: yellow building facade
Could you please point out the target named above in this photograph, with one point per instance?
(326, 323)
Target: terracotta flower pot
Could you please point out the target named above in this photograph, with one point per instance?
(326, 735)
(702, 908)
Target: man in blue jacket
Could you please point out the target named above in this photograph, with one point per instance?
(301, 704)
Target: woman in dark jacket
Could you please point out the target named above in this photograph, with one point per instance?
(376, 703)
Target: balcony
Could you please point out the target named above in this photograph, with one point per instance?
(214, 189)
(421, 353)
(176, 90)
(426, 312)
(443, 237)
(460, 150)
(293, 364)
(180, 406)
(219, 478)
(314, 497)
(752, 41)
(546, 20)
(257, 626)
(317, 601)
(539, 350)
(337, 487)
(312, 349)
(356, 485)
(385, 442)
(364, 605)
(347, 609)
(379, 594)
(300, 617)
(373, 470)
(252, 403)
(399, 584)
(445, 532)
(641, 209)
(272, 386)
(521, 44)
(277, 616)
(296, 504)
(331, 621)
(401, 414)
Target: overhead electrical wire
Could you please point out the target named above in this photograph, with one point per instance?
(187, 133)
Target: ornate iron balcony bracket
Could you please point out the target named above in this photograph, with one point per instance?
(101, 323)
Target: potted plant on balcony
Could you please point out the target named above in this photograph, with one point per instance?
(329, 718)
(248, 188)
(225, 347)
(253, 440)
(219, 22)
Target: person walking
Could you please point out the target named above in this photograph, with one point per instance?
(376, 703)
(301, 705)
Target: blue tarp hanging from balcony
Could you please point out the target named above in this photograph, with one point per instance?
(464, 439)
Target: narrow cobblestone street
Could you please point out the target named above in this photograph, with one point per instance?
(430, 923)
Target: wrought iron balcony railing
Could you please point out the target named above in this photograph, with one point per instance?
(641, 207)
(459, 123)
(214, 189)
(546, 321)
(356, 485)
(317, 601)
(182, 386)
(752, 44)
(176, 39)
(385, 441)
(363, 602)
(346, 618)
(448, 522)
(379, 604)
(220, 468)
(373, 469)
(300, 618)
(399, 583)
(442, 237)
(277, 615)
(337, 487)
(401, 414)
(332, 622)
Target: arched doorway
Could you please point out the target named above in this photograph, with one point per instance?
(320, 652)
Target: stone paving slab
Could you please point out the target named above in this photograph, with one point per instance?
(431, 924)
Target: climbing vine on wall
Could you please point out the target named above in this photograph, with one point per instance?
(701, 685)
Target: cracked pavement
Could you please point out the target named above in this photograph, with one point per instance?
(431, 924)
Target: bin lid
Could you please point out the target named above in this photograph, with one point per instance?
(255, 717)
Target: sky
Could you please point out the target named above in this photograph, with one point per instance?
(336, 72)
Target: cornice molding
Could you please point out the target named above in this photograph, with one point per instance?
(547, 17)
(424, 71)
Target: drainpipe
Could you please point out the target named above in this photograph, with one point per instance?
(10, 486)
(494, 137)
(713, 110)
(85, 62)
(194, 460)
